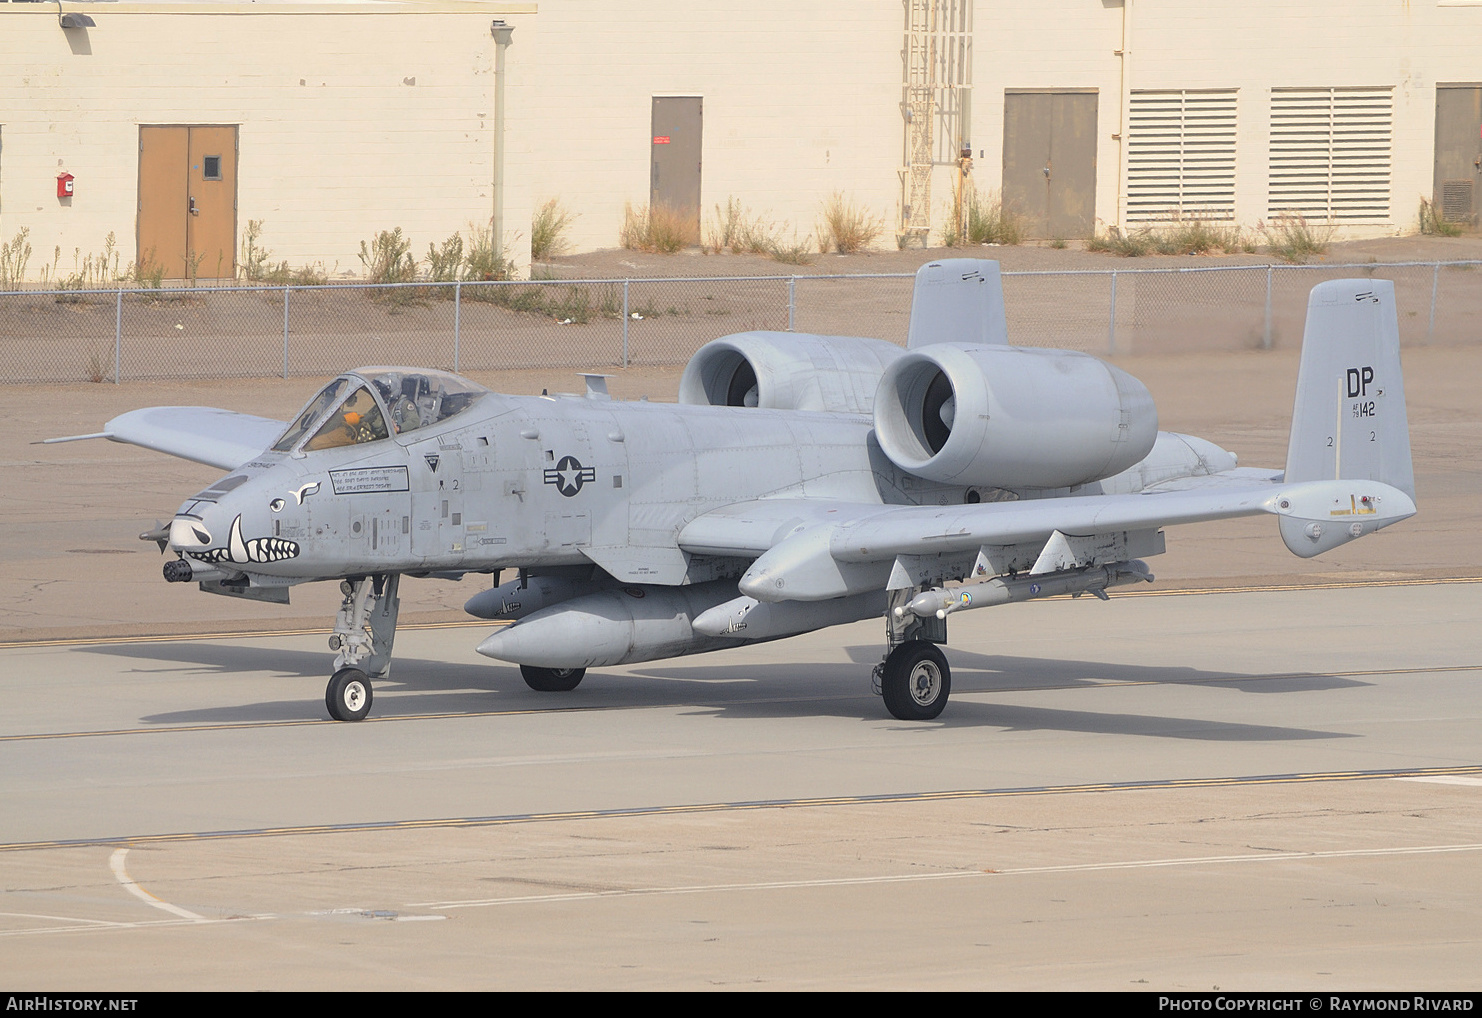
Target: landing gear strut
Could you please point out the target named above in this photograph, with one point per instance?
(914, 678)
(364, 630)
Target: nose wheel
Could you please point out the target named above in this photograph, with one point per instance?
(348, 695)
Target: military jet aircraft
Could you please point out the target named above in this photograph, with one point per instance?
(802, 481)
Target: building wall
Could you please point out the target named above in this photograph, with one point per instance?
(352, 119)
(364, 116)
(800, 100)
(1252, 47)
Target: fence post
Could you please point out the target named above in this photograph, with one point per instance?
(1430, 332)
(1111, 327)
(792, 303)
(285, 332)
(1266, 334)
(117, 334)
(625, 323)
(457, 320)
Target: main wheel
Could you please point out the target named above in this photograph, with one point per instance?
(916, 682)
(552, 680)
(348, 695)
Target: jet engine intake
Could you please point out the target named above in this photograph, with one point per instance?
(787, 371)
(1011, 417)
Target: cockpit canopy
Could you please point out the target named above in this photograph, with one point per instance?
(369, 404)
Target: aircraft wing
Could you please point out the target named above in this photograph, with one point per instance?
(219, 438)
(813, 551)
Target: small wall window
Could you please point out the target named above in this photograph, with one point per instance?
(211, 168)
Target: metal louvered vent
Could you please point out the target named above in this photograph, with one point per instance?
(1456, 201)
(1331, 153)
(1181, 155)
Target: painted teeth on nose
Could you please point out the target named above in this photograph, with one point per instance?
(271, 549)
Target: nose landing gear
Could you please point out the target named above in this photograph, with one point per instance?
(348, 697)
(364, 630)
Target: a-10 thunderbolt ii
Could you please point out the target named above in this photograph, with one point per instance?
(802, 481)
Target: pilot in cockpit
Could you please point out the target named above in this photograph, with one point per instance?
(357, 420)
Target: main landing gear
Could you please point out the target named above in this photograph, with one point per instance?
(914, 678)
(364, 630)
(552, 680)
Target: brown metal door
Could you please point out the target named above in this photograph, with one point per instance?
(1049, 161)
(188, 201)
(674, 180)
(1458, 182)
(211, 227)
(164, 159)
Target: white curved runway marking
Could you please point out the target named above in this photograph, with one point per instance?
(116, 864)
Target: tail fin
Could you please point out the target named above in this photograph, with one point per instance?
(1349, 421)
(957, 300)
(1350, 443)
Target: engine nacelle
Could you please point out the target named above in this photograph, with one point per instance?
(788, 371)
(1011, 416)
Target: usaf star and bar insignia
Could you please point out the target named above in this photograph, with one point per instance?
(569, 475)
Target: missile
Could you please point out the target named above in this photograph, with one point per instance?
(1006, 590)
(747, 618)
(628, 623)
(516, 600)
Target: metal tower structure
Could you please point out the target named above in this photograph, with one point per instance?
(936, 80)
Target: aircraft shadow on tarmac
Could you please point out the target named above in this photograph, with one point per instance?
(750, 691)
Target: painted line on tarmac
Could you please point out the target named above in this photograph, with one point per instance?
(116, 864)
(721, 807)
(82, 924)
(962, 691)
(783, 885)
(765, 885)
(1447, 779)
(94, 641)
(1147, 864)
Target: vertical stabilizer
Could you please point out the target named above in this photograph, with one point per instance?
(1349, 420)
(957, 300)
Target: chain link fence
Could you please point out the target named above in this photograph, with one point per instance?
(244, 332)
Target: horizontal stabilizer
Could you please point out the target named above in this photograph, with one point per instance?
(1321, 515)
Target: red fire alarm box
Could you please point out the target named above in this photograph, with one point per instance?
(64, 185)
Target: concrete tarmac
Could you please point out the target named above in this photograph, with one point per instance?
(1276, 789)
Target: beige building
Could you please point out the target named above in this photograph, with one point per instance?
(181, 123)
(329, 122)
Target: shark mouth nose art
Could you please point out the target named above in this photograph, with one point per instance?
(258, 549)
